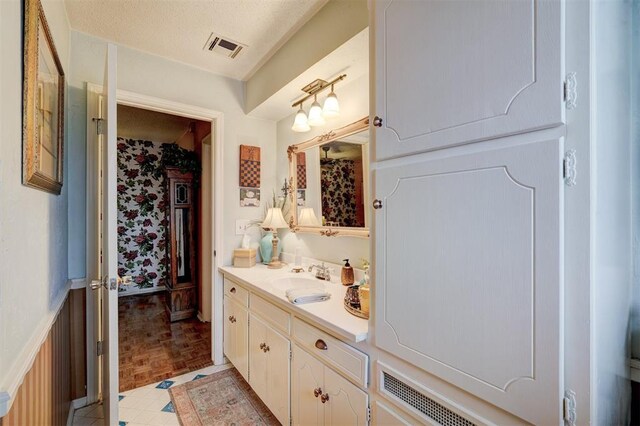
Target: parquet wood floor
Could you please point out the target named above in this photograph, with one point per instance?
(152, 348)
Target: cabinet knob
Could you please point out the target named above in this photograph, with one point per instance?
(232, 319)
(377, 121)
(324, 398)
(320, 344)
(233, 290)
(262, 345)
(377, 204)
(266, 349)
(317, 392)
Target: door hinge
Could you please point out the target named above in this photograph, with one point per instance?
(369, 414)
(290, 354)
(569, 408)
(570, 89)
(99, 125)
(99, 347)
(214, 253)
(569, 170)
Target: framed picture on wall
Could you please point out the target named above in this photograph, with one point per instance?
(43, 104)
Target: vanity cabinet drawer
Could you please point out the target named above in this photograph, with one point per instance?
(274, 315)
(347, 360)
(235, 292)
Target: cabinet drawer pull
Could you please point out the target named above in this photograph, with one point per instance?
(320, 344)
(233, 290)
(232, 319)
(317, 392)
(324, 398)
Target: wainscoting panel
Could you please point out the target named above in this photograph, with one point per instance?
(44, 397)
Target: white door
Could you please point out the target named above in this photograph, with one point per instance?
(468, 278)
(307, 385)
(109, 254)
(454, 72)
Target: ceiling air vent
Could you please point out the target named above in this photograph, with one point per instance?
(223, 46)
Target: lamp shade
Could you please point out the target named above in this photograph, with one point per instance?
(315, 115)
(331, 106)
(274, 219)
(300, 123)
(307, 217)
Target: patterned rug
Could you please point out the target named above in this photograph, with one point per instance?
(223, 398)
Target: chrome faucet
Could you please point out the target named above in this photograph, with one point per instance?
(322, 272)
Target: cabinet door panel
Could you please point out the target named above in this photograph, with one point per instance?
(258, 365)
(228, 330)
(241, 349)
(468, 272)
(278, 378)
(307, 375)
(455, 72)
(347, 405)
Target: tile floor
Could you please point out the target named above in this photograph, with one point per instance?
(147, 405)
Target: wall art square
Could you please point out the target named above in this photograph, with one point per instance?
(249, 166)
(249, 197)
(301, 165)
(43, 104)
(301, 197)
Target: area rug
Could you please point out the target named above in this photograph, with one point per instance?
(223, 398)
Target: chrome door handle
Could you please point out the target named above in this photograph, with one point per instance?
(96, 284)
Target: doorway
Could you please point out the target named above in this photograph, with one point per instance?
(210, 237)
(164, 327)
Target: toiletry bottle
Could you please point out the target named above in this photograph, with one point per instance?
(363, 292)
(347, 273)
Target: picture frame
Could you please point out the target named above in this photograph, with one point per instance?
(43, 104)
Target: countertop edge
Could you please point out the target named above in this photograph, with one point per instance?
(332, 327)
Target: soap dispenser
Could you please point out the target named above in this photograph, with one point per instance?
(347, 273)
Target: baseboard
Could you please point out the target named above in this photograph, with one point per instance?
(72, 410)
(79, 403)
(142, 291)
(17, 372)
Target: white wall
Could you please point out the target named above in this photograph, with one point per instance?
(151, 75)
(611, 220)
(354, 105)
(635, 179)
(33, 224)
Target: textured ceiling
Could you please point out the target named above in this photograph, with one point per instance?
(179, 29)
(136, 123)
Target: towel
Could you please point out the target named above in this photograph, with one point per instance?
(299, 296)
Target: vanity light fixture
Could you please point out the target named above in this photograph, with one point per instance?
(331, 106)
(300, 123)
(317, 113)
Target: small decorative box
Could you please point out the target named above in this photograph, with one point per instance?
(244, 258)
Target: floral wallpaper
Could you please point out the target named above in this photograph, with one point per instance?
(338, 182)
(141, 215)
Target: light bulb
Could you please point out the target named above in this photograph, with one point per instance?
(300, 123)
(331, 107)
(315, 114)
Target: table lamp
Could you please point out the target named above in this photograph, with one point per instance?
(307, 217)
(273, 221)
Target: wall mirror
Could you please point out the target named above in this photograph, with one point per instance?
(329, 182)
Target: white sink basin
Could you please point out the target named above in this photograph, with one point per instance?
(285, 283)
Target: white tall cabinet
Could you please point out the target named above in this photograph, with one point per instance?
(501, 258)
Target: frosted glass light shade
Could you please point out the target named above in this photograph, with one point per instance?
(331, 106)
(274, 219)
(315, 115)
(307, 217)
(300, 123)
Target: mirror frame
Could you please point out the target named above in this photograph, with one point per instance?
(332, 135)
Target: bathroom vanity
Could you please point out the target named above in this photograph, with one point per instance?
(299, 359)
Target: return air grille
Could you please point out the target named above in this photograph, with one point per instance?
(223, 46)
(422, 403)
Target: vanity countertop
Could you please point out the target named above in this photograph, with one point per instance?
(329, 314)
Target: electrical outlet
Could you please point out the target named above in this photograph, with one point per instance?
(241, 226)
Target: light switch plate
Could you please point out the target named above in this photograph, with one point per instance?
(241, 226)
